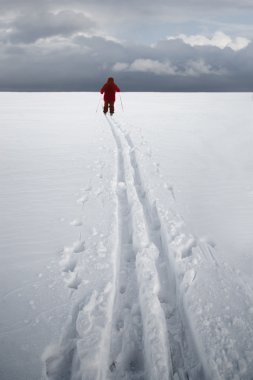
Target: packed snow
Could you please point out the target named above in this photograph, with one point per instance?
(126, 242)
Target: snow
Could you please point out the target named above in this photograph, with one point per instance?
(126, 241)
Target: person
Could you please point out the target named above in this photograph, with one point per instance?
(109, 90)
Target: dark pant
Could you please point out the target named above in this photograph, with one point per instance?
(109, 105)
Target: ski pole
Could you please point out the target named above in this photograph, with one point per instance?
(98, 103)
(121, 103)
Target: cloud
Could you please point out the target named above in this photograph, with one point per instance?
(190, 68)
(74, 45)
(82, 63)
(219, 39)
(145, 66)
(132, 6)
(142, 19)
(29, 28)
(200, 67)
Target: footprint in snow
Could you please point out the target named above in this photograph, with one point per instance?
(113, 366)
(119, 324)
(68, 263)
(76, 222)
(83, 199)
(86, 188)
(100, 175)
(98, 192)
(73, 281)
(170, 189)
(78, 246)
(122, 289)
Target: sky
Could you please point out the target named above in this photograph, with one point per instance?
(146, 45)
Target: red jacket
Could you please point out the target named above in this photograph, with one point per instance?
(109, 90)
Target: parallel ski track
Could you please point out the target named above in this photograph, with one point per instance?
(148, 336)
(126, 359)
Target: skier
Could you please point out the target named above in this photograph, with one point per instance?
(109, 90)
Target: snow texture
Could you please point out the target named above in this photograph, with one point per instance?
(133, 290)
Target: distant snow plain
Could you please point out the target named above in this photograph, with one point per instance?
(126, 243)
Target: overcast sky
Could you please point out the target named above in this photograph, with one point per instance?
(147, 45)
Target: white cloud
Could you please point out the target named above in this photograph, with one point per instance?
(120, 66)
(145, 66)
(200, 67)
(219, 39)
(191, 68)
(153, 66)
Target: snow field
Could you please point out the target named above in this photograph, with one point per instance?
(134, 290)
(121, 331)
(162, 314)
(199, 278)
(84, 265)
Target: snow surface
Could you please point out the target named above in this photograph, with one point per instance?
(126, 242)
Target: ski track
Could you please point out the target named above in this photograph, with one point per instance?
(202, 346)
(149, 288)
(130, 328)
(135, 324)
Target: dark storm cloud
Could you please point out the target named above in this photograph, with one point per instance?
(120, 11)
(131, 5)
(167, 66)
(176, 66)
(29, 28)
(63, 45)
